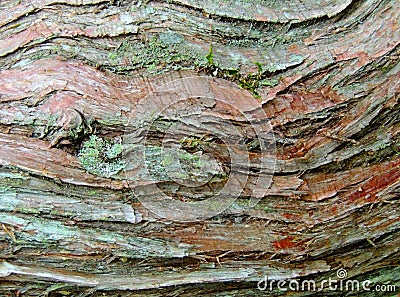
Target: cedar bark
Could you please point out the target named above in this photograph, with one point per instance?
(322, 75)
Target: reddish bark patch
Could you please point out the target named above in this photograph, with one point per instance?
(286, 243)
(302, 101)
(368, 189)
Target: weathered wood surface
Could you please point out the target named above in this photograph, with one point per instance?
(324, 75)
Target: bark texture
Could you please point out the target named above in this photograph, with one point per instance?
(102, 100)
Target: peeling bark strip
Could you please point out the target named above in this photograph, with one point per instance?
(118, 116)
(273, 11)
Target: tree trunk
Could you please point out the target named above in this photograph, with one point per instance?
(199, 148)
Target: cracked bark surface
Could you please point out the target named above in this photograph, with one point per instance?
(323, 74)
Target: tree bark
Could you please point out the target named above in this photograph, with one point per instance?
(196, 148)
